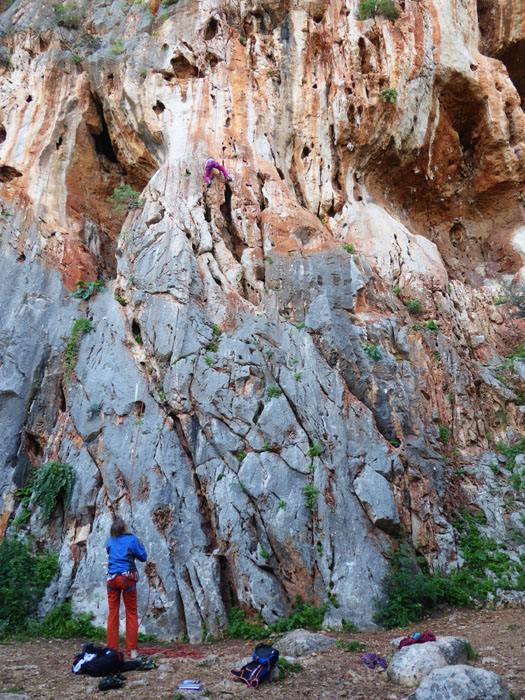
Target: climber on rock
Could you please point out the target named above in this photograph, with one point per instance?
(210, 164)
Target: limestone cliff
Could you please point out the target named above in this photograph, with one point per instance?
(254, 395)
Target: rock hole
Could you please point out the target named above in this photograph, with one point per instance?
(3, 133)
(29, 98)
(364, 56)
(281, 175)
(33, 448)
(457, 235)
(58, 143)
(182, 68)
(102, 139)
(8, 173)
(228, 122)
(305, 152)
(21, 257)
(158, 107)
(211, 29)
(207, 213)
(136, 332)
(138, 408)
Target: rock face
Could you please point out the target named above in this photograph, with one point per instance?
(254, 396)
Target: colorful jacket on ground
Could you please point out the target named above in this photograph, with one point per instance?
(122, 552)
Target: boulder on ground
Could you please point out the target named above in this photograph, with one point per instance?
(461, 682)
(411, 664)
(301, 642)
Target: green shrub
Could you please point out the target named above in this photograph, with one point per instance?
(388, 95)
(66, 16)
(125, 198)
(412, 593)
(24, 576)
(241, 628)
(61, 622)
(80, 326)
(413, 306)
(85, 290)
(54, 483)
(371, 8)
(511, 452)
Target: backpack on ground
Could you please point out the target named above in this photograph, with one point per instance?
(264, 659)
(98, 661)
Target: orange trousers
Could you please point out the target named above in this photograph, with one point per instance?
(128, 587)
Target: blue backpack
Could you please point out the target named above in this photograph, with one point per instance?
(259, 668)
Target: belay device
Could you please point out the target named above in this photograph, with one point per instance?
(264, 659)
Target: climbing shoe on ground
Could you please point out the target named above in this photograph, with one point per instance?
(115, 680)
(145, 663)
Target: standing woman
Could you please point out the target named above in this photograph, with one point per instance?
(123, 548)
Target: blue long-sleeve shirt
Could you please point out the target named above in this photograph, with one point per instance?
(122, 552)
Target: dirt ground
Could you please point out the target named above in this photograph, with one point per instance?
(42, 668)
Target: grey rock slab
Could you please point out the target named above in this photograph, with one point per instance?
(461, 682)
(301, 642)
(376, 496)
(208, 660)
(410, 664)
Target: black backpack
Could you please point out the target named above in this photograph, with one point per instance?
(98, 661)
(264, 659)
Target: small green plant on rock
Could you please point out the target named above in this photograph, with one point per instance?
(373, 351)
(125, 198)
(310, 492)
(431, 326)
(85, 290)
(54, 483)
(388, 95)
(371, 8)
(349, 248)
(117, 47)
(315, 450)
(273, 391)
(443, 434)
(413, 306)
(80, 327)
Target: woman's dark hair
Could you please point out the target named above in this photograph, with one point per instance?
(118, 528)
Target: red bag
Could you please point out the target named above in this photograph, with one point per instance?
(419, 639)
